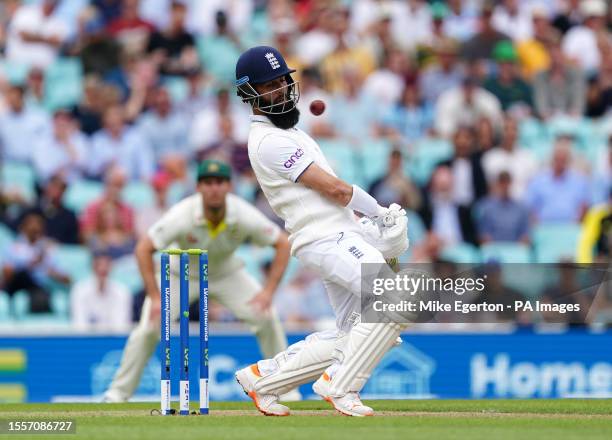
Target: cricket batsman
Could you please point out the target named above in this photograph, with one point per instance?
(216, 220)
(319, 213)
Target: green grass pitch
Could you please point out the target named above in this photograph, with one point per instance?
(313, 420)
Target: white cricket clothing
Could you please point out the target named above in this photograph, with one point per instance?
(278, 158)
(185, 225)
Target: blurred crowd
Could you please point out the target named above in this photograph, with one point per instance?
(488, 120)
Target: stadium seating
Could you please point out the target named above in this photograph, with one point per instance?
(373, 159)
(20, 177)
(125, 271)
(505, 252)
(427, 153)
(80, 194)
(74, 260)
(6, 237)
(63, 83)
(138, 195)
(218, 55)
(553, 242)
(342, 158)
(14, 73)
(5, 306)
(462, 253)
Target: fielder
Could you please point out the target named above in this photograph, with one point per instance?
(318, 210)
(216, 220)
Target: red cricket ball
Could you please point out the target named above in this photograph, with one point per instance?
(317, 107)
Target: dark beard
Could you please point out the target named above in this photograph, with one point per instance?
(285, 120)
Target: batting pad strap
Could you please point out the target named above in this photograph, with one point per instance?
(364, 348)
(364, 203)
(302, 362)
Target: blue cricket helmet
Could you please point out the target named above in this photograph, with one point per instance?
(259, 65)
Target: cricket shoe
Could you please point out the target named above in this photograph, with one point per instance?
(267, 404)
(292, 396)
(350, 404)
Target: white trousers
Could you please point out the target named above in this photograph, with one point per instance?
(233, 291)
(349, 354)
(338, 261)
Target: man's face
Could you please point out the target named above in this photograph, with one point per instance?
(214, 190)
(14, 97)
(273, 91)
(33, 228)
(277, 103)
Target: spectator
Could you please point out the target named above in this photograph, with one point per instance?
(174, 48)
(202, 15)
(347, 54)
(558, 194)
(465, 105)
(446, 221)
(513, 18)
(224, 148)
(568, 15)
(469, 182)
(20, 127)
(411, 118)
(485, 135)
(602, 178)
(7, 10)
(461, 22)
(560, 90)
(119, 144)
(519, 162)
(351, 113)
(109, 234)
(109, 10)
(63, 150)
(386, 84)
(98, 302)
(131, 31)
(481, 45)
(497, 292)
(595, 240)
(583, 44)
(512, 92)
(199, 94)
(533, 52)
(204, 130)
(446, 74)
(599, 90)
(318, 41)
(98, 53)
(61, 223)
(164, 128)
(500, 217)
(28, 265)
(148, 215)
(36, 34)
(96, 98)
(394, 186)
(114, 182)
(35, 89)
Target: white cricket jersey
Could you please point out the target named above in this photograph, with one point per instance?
(278, 158)
(184, 225)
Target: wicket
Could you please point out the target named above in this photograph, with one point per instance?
(184, 329)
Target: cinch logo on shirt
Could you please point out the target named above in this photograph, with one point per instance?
(272, 60)
(293, 158)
